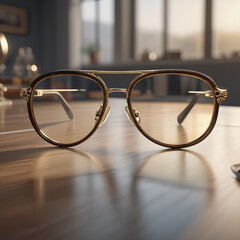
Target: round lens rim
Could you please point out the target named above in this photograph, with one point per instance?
(41, 78)
(196, 74)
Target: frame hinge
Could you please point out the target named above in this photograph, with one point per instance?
(25, 93)
(221, 94)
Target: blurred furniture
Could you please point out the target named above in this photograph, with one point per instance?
(225, 72)
(12, 87)
(3, 100)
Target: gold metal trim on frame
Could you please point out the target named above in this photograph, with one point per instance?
(25, 93)
(221, 94)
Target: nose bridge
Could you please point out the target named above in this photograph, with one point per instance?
(117, 90)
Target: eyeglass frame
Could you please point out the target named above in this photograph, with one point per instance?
(218, 96)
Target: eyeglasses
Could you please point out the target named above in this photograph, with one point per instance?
(172, 108)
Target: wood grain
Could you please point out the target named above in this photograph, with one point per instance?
(117, 184)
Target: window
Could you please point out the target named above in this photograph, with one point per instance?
(186, 28)
(178, 32)
(149, 28)
(163, 29)
(226, 25)
(97, 31)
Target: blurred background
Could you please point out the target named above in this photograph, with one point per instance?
(45, 35)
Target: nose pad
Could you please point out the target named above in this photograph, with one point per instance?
(105, 115)
(136, 115)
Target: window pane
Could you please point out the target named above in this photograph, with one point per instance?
(88, 29)
(226, 25)
(149, 27)
(185, 28)
(97, 31)
(106, 31)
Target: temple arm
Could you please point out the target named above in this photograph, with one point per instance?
(56, 92)
(186, 111)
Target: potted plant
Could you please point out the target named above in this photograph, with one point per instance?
(92, 52)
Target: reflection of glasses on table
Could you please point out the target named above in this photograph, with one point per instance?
(173, 108)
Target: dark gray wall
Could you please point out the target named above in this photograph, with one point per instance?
(54, 38)
(32, 38)
(47, 33)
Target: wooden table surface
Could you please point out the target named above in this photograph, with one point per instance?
(117, 184)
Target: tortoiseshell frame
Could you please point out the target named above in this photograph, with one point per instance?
(218, 96)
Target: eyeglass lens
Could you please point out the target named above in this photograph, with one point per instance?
(67, 107)
(173, 108)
